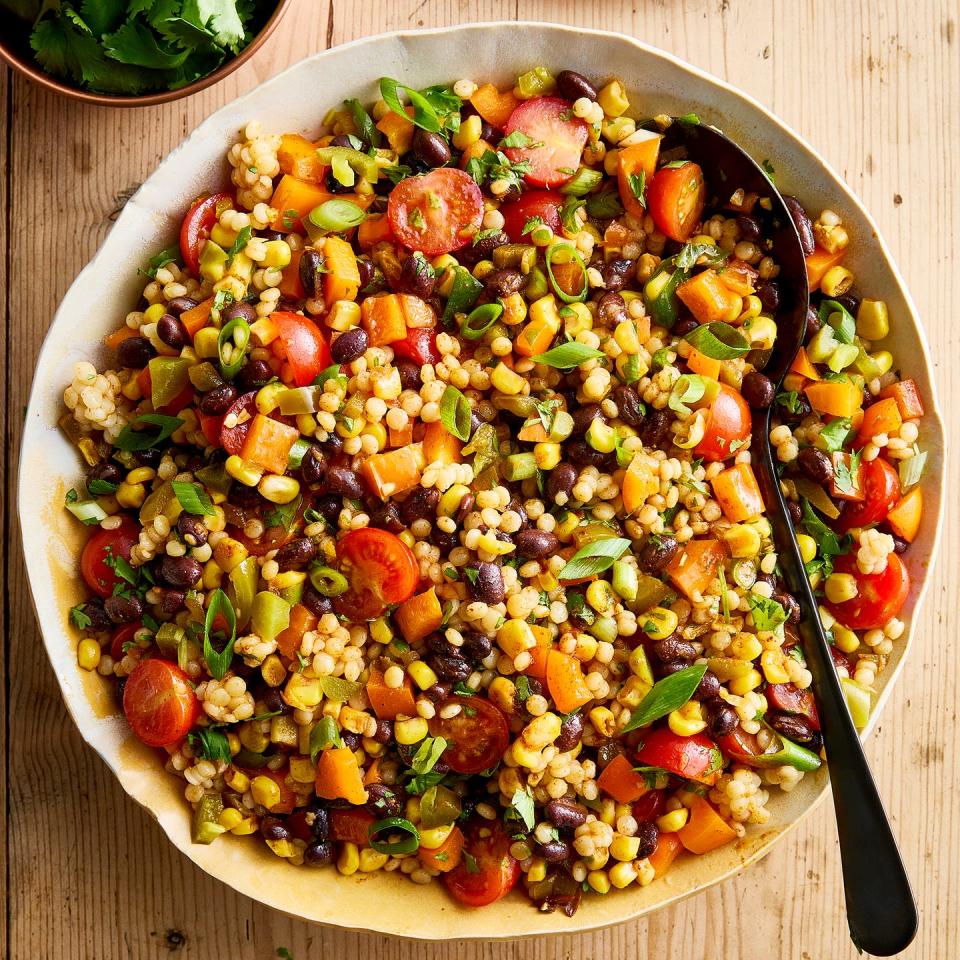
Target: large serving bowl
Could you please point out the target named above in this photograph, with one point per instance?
(109, 286)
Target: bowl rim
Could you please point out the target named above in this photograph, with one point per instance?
(32, 71)
(933, 418)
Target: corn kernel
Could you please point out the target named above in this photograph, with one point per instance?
(421, 673)
(633, 691)
(245, 827)
(154, 312)
(603, 721)
(598, 881)
(435, 837)
(808, 547)
(840, 587)
(746, 646)
(622, 875)
(268, 397)
(541, 731)
(741, 686)
(141, 475)
(514, 637)
(380, 632)
(277, 254)
(302, 692)
(873, 320)
(688, 720)
(131, 495)
(451, 499)
(537, 871)
(836, 281)
(545, 311)
(673, 821)
(624, 848)
(409, 732)
(278, 489)
(761, 331)
(742, 540)
(302, 770)
(514, 310)
(578, 320)
(526, 756)
(229, 554)
(266, 791)
(640, 665)
(659, 623)
(469, 132)
(600, 596)
(248, 474)
(773, 666)
(547, 455)
(349, 860)
(378, 431)
(613, 99)
(237, 780)
(503, 693)
(230, 818)
(507, 381)
(88, 654)
(372, 860)
(844, 639)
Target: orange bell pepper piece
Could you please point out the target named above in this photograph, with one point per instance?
(705, 830)
(533, 433)
(535, 337)
(700, 363)
(196, 318)
(908, 399)
(631, 161)
(495, 107)
(298, 157)
(342, 279)
(739, 277)
(540, 653)
(268, 443)
(290, 285)
(837, 398)
(566, 682)
(398, 130)
(447, 856)
(389, 702)
(818, 263)
(419, 616)
(621, 781)
(802, 365)
(289, 640)
(416, 311)
(905, 517)
(394, 471)
(293, 199)
(738, 493)
(695, 566)
(668, 846)
(339, 777)
(880, 417)
(383, 319)
(113, 340)
(375, 229)
(708, 299)
(474, 151)
(441, 445)
(641, 480)
(351, 826)
(401, 437)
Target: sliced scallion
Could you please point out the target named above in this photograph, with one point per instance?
(568, 250)
(408, 844)
(337, 215)
(235, 335)
(480, 320)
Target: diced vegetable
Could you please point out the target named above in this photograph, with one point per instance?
(907, 397)
(819, 262)
(668, 846)
(695, 566)
(493, 106)
(705, 830)
(339, 777)
(301, 620)
(395, 471)
(905, 517)
(439, 445)
(419, 616)
(268, 443)
(390, 702)
(738, 493)
(342, 279)
(383, 319)
(566, 682)
(880, 417)
(637, 164)
(836, 398)
(298, 157)
(621, 781)
(708, 299)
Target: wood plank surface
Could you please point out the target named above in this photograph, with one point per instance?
(876, 87)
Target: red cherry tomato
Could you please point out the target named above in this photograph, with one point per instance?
(159, 702)
(437, 212)
(675, 199)
(419, 345)
(739, 744)
(558, 140)
(273, 536)
(693, 758)
(880, 484)
(305, 346)
(880, 596)
(241, 413)
(489, 872)
(382, 570)
(196, 227)
(121, 636)
(544, 204)
(99, 577)
(650, 806)
(211, 428)
(476, 737)
(790, 699)
(727, 426)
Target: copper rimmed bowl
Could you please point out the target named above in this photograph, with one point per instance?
(658, 83)
(15, 50)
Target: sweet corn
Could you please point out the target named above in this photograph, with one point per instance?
(746, 646)
(245, 827)
(278, 489)
(409, 732)
(808, 547)
(131, 495)
(141, 475)
(840, 587)
(273, 671)
(659, 623)
(832, 237)
(599, 881)
(742, 540)
(545, 311)
(836, 281)
(673, 821)
(248, 474)
(515, 636)
(371, 860)
(761, 332)
(237, 780)
(469, 132)
(688, 720)
(578, 320)
(541, 731)
(266, 791)
(640, 665)
(88, 654)
(380, 632)
(277, 254)
(773, 667)
(526, 756)
(547, 455)
(435, 837)
(743, 685)
(282, 848)
(603, 721)
(613, 99)
(622, 875)
(507, 381)
(624, 848)
(633, 691)
(303, 693)
(600, 596)
(421, 673)
(349, 860)
(503, 693)
(230, 818)
(154, 312)
(212, 575)
(268, 397)
(873, 320)
(844, 639)
(229, 554)
(514, 310)
(537, 871)
(343, 315)
(597, 860)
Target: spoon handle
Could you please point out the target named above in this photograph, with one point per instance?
(881, 912)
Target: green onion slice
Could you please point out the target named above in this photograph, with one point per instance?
(718, 340)
(327, 581)
(568, 249)
(397, 848)
(219, 662)
(192, 497)
(455, 413)
(236, 333)
(481, 320)
(336, 216)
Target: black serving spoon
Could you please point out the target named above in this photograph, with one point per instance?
(881, 912)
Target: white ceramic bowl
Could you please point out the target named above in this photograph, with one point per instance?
(109, 286)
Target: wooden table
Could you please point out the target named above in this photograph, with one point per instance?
(89, 875)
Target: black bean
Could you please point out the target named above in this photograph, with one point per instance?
(273, 829)
(561, 480)
(850, 302)
(316, 603)
(431, 148)
(254, 374)
(148, 458)
(135, 352)
(350, 740)
(617, 273)
(795, 511)
(708, 688)
(899, 544)
(684, 325)
(802, 222)
(445, 541)
(628, 405)
(649, 836)
(571, 732)
(350, 345)
(409, 374)
(767, 578)
(757, 390)
(384, 732)
(655, 431)
(789, 603)
(311, 271)
(502, 283)
(465, 508)
(344, 481)
(453, 668)
(488, 132)
(607, 751)
(555, 851)
(180, 305)
(673, 648)
(382, 801)
(582, 454)
(296, 553)
(572, 86)
(790, 725)
(483, 248)
(584, 416)
(172, 602)
(439, 692)
(611, 309)
(416, 277)
(192, 530)
(99, 619)
(320, 853)
(476, 646)
(370, 275)
(386, 516)
(420, 505)
(749, 227)
(122, 609)
(813, 323)
(535, 543)
(815, 464)
(313, 467)
(721, 718)
(768, 292)
(218, 401)
(179, 571)
(565, 814)
(671, 666)
(106, 471)
(489, 587)
(655, 555)
(172, 332)
(239, 310)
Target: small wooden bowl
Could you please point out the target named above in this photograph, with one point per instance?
(23, 62)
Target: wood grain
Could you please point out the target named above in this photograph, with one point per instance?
(875, 86)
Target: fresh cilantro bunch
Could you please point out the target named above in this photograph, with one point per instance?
(137, 46)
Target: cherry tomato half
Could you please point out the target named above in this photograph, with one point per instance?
(880, 484)
(727, 426)
(675, 199)
(791, 699)
(382, 570)
(693, 758)
(476, 737)
(487, 871)
(274, 535)
(159, 702)
(196, 227)
(880, 596)
(437, 212)
(557, 140)
(419, 345)
(544, 204)
(739, 744)
(305, 346)
(121, 636)
(98, 575)
(241, 414)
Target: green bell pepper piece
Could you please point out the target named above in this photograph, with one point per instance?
(206, 819)
(243, 588)
(464, 293)
(169, 377)
(345, 162)
(270, 615)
